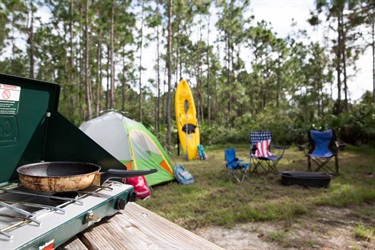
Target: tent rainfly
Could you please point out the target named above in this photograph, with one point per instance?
(131, 143)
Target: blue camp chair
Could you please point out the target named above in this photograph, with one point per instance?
(260, 154)
(235, 166)
(321, 147)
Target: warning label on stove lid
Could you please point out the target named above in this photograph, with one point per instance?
(9, 99)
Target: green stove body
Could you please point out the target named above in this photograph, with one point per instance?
(31, 131)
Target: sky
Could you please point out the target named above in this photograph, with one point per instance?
(280, 14)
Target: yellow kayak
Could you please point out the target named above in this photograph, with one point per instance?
(186, 120)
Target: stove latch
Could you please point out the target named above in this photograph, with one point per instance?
(91, 217)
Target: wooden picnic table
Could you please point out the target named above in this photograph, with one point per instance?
(137, 228)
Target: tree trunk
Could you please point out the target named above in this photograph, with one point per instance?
(123, 86)
(157, 113)
(198, 76)
(343, 53)
(278, 87)
(109, 90)
(228, 79)
(87, 58)
(338, 66)
(140, 64)
(71, 56)
(208, 75)
(373, 60)
(99, 76)
(169, 137)
(31, 40)
(112, 60)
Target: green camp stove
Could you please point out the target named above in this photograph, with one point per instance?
(33, 131)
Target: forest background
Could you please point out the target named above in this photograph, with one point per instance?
(245, 78)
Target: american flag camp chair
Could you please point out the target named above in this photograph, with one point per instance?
(260, 154)
(235, 166)
(321, 147)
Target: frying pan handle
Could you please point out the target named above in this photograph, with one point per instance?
(119, 173)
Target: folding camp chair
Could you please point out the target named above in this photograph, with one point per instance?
(236, 167)
(321, 147)
(260, 155)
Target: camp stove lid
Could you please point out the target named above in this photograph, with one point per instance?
(24, 104)
(32, 130)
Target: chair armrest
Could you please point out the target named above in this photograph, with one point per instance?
(340, 145)
(253, 149)
(234, 160)
(303, 146)
(279, 147)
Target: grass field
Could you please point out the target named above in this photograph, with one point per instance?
(217, 200)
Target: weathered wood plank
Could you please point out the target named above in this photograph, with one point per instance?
(160, 231)
(139, 228)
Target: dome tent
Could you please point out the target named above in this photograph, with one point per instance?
(131, 143)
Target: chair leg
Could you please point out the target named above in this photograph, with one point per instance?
(273, 167)
(256, 164)
(270, 167)
(232, 174)
(322, 164)
(309, 164)
(244, 175)
(236, 174)
(265, 169)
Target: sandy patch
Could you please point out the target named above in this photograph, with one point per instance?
(332, 229)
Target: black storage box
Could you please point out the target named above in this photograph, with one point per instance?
(306, 179)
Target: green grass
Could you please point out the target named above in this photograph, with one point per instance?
(276, 236)
(362, 232)
(215, 199)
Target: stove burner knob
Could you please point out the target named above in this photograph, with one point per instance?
(132, 196)
(120, 204)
